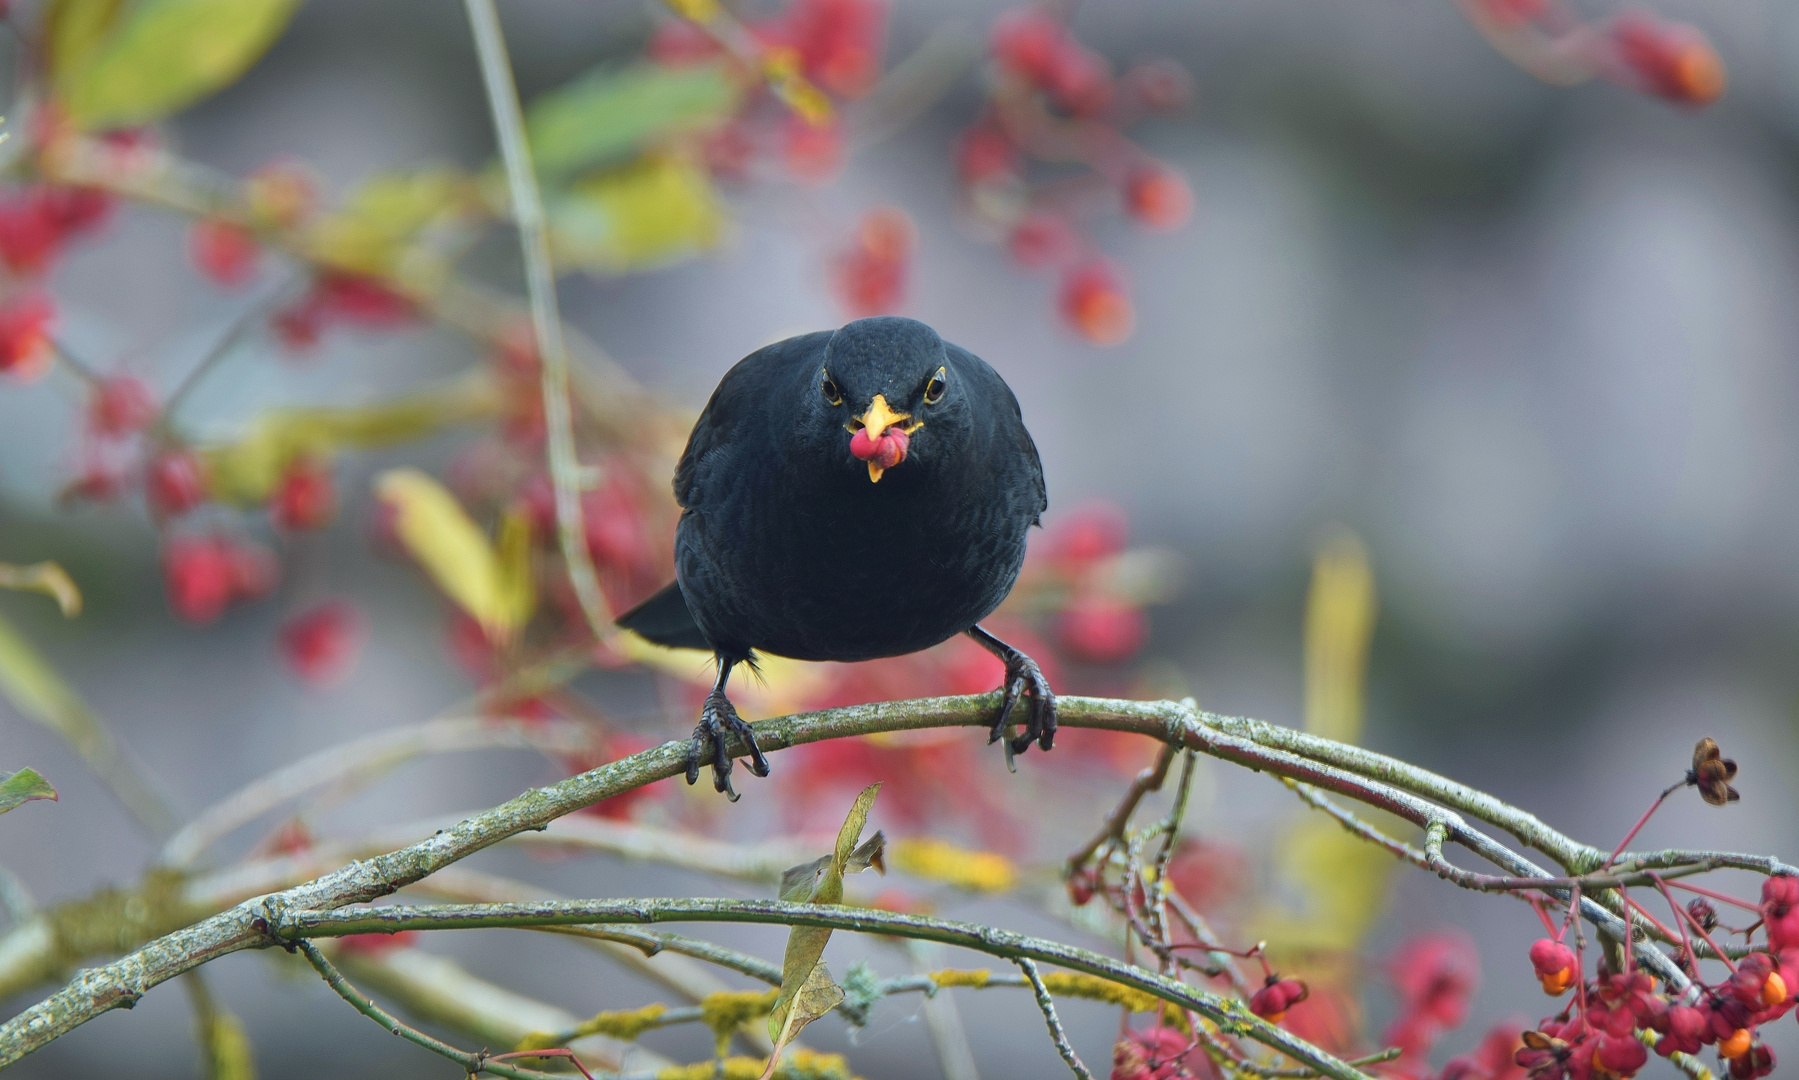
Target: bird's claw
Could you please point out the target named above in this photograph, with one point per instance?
(1025, 681)
(718, 722)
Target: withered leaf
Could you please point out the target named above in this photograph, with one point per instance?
(1712, 773)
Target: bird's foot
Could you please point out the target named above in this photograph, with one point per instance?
(1025, 682)
(718, 722)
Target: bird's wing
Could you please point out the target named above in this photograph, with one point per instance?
(741, 398)
(1008, 428)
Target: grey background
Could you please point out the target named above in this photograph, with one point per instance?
(1536, 346)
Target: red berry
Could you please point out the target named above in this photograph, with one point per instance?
(1159, 198)
(1093, 301)
(1042, 239)
(839, 42)
(25, 350)
(29, 237)
(616, 534)
(1668, 59)
(1091, 531)
(813, 152)
(1620, 1055)
(121, 405)
(1102, 630)
(870, 277)
(1555, 964)
(197, 576)
(1278, 995)
(225, 252)
(1027, 41)
(175, 483)
(1080, 79)
(306, 497)
(362, 301)
(320, 643)
(70, 209)
(1780, 912)
(983, 154)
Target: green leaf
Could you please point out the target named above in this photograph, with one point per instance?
(806, 944)
(47, 578)
(119, 67)
(652, 211)
(606, 114)
(23, 787)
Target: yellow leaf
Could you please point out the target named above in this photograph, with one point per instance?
(75, 29)
(517, 584)
(230, 1056)
(452, 549)
(369, 234)
(699, 11)
(939, 860)
(47, 578)
(1340, 611)
(654, 210)
(246, 471)
(806, 944)
(118, 68)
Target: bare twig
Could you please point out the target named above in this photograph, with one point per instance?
(1048, 1005)
(471, 1063)
(1150, 779)
(361, 759)
(546, 322)
(295, 924)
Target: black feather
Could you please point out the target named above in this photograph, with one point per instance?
(665, 620)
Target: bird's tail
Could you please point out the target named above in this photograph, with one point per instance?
(666, 620)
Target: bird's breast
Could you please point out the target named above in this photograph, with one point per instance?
(844, 571)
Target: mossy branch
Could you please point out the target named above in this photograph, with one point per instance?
(1417, 795)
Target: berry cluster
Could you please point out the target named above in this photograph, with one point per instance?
(1054, 101)
(1634, 48)
(835, 44)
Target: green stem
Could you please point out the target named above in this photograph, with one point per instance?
(546, 321)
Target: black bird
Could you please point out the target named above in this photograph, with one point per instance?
(847, 495)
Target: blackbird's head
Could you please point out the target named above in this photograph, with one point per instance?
(891, 386)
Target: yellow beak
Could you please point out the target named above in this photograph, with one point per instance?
(880, 417)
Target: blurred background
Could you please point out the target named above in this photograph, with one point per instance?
(1533, 345)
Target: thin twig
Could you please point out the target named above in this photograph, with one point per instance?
(361, 759)
(362, 1003)
(546, 322)
(246, 320)
(295, 924)
(1150, 779)
(1048, 1005)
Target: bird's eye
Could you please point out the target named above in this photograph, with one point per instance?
(933, 392)
(832, 394)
